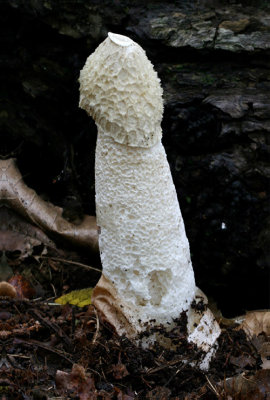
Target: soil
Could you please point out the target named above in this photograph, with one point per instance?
(51, 351)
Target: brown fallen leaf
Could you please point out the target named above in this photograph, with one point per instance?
(109, 305)
(15, 194)
(76, 382)
(18, 235)
(243, 361)
(254, 387)
(256, 322)
(22, 287)
(262, 344)
(119, 371)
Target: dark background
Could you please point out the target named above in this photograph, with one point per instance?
(213, 59)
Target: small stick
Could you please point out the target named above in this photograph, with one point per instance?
(97, 328)
(212, 387)
(71, 262)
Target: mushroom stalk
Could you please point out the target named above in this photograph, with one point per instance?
(147, 271)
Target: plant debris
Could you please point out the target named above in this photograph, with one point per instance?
(69, 351)
(66, 352)
(79, 298)
(23, 200)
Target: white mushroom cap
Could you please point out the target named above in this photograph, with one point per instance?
(121, 91)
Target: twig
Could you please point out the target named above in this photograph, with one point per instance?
(72, 262)
(54, 290)
(212, 387)
(161, 367)
(97, 328)
(33, 342)
(172, 363)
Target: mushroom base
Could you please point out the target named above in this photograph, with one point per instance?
(203, 330)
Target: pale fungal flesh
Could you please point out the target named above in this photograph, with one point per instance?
(121, 91)
(144, 249)
(145, 253)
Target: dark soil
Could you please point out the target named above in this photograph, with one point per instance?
(66, 352)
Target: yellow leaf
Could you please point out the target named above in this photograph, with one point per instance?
(79, 298)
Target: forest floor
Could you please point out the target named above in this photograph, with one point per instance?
(52, 351)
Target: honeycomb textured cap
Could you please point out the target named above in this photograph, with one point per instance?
(121, 91)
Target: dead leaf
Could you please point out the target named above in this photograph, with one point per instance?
(18, 235)
(77, 382)
(256, 322)
(242, 387)
(16, 195)
(79, 298)
(109, 305)
(243, 361)
(23, 288)
(119, 371)
(262, 344)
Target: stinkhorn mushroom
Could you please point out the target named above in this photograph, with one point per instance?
(147, 271)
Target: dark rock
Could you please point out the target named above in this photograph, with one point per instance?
(227, 40)
(238, 104)
(232, 28)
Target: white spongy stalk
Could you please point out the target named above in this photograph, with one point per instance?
(144, 248)
(147, 271)
(121, 91)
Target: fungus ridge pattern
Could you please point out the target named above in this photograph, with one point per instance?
(121, 91)
(144, 248)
